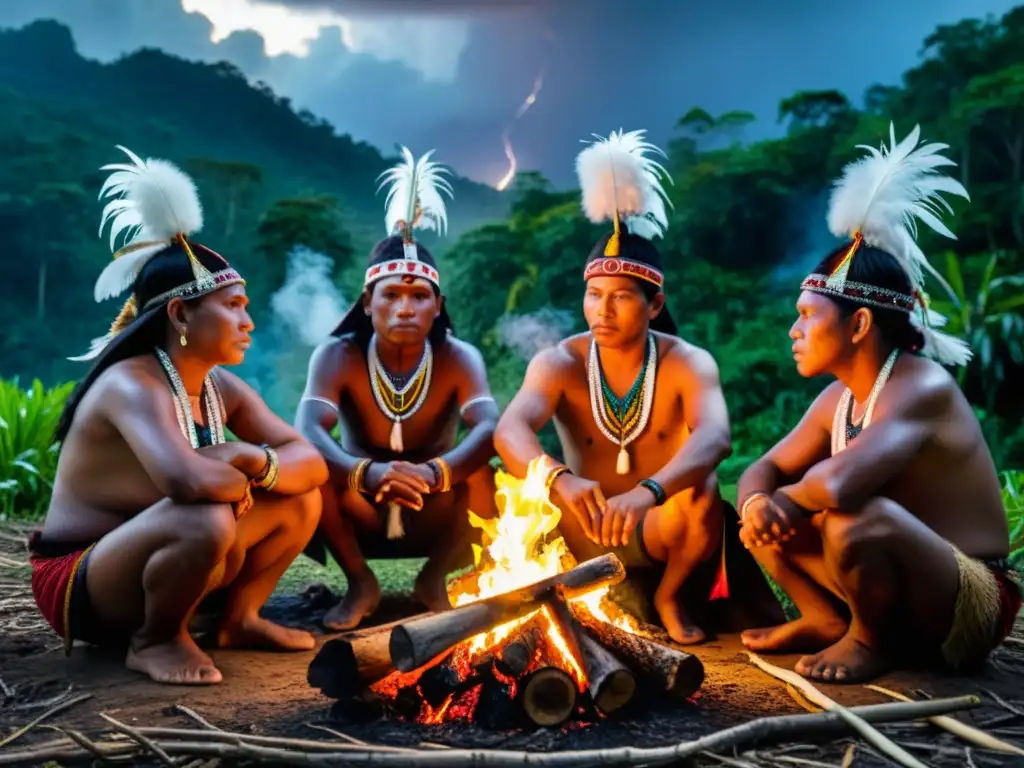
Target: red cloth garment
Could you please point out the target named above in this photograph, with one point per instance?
(1009, 601)
(52, 578)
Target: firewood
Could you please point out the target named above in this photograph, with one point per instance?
(345, 665)
(515, 657)
(414, 643)
(496, 708)
(610, 684)
(667, 667)
(548, 696)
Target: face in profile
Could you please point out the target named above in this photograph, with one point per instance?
(403, 309)
(821, 336)
(617, 311)
(218, 325)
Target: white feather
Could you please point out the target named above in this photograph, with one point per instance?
(95, 348)
(881, 195)
(618, 178)
(945, 349)
(152, 200)
(414, 194)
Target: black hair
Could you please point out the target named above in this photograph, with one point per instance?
(360, 326)
(642, 250)
(880, 269)
(169, 269)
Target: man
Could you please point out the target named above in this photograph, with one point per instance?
(152, 510)
(396, 383)
(880, 513)
(640, 412)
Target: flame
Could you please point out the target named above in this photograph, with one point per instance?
(506, 139)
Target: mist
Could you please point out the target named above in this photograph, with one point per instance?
(528, 334)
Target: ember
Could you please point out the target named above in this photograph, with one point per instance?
(533, 636)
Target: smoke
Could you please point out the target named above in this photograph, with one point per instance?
(531, 333)
(811, 241)
(303, 312)
(308, 305)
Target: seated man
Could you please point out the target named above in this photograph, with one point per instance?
(639, 412)
(880, 513)
(396, 382)
(152, 510)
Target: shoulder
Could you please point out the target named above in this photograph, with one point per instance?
(824, 406)
(336, 355)
(681, 358)
(461, 353)
(919, 388)
(136, 380)
(556, 361)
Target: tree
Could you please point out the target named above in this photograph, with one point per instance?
(814, 108)
(235, 179)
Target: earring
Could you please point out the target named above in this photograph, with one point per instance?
(184, 337)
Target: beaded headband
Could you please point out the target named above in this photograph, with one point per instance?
(616, 266)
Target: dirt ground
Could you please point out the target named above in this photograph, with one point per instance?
(267, 694)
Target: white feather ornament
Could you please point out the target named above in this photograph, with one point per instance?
(881, 195)
(414, 199)
(153, 202)
(618, 181)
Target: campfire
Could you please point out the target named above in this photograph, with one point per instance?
(533, 638)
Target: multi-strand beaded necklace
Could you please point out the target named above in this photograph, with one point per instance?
(622, 420)
(844, 427)
(396, 402)
(183, 408)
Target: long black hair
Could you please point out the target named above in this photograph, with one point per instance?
(357, 323)
(880, 269)
(168, 270)
(640, 249)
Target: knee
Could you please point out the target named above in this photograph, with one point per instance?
(304, 515)
(850, 538)
(209, 531)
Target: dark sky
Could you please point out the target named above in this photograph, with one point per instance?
(607, 64)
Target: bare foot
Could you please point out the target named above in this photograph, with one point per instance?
(177, 662)
(431, 590)
(677, 623)
(257, 632)
(803, 635)
(361, 599)
(847, 661)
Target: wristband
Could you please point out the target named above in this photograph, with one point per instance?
(355, 477)
(267, 478)
(654, 487)
(751, 497)
(442, 474)
(553, 475)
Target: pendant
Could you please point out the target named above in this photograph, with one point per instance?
(622, 463)
(396, 438)
(395, 528)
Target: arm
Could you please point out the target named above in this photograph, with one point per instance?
(142, 412)
(318, 413)
(807, 444)
(515, 437)
(881, 452)
(301, 468)
(706, 417)
(480, 413)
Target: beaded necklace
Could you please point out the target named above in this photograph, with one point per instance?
(183, 408)
(844, 428)
(622, 421)
(399, 403)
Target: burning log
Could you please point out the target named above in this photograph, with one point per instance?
(672, 670)
(610, 684)
(516, 656)
(414, 643)
(347, 664)
(548, 696)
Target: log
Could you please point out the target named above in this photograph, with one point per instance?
(347, 664)
(659, 663)
(548, 696)
(610, 684)
(496, 708)
(515, 658)
(414, 643)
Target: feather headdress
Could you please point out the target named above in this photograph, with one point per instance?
(414, 199)
(619, 181)
(154, 205)
(877, 201)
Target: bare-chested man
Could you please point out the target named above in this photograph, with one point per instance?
(152, 510)
(640, 412)
(880, 513)
(396, 383)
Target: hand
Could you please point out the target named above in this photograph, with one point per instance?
(766, 524)
(392, 481)
(247, 458)
(623, 513)
(584, 499)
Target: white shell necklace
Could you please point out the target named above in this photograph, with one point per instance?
(393, 402)
(599, 406)
(843, 413)
(183, 408)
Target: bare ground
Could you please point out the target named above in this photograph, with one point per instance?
(267, 694)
